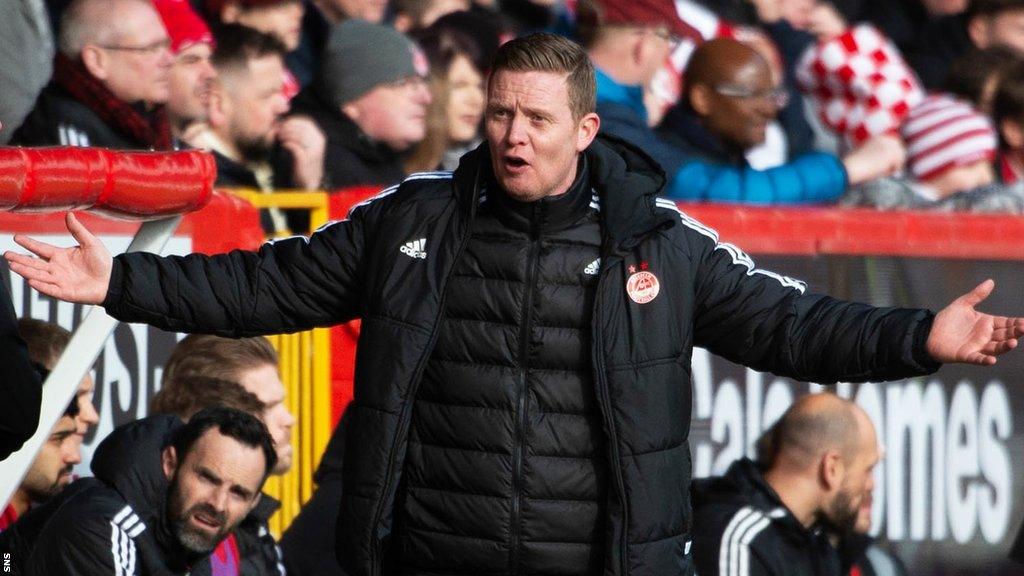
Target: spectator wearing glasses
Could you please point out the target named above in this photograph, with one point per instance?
(728, 102)
(110, 80)
(370, 98)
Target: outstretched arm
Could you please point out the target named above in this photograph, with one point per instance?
(79, 274)
(962, 334)
(288, 285)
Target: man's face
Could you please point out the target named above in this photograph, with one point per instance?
(139, 61)
(740, 108)
(847, 512)
(655, 49)
(253, 105)
(283, 20)
(265, 383)
(191, 78)
(87, 415)
(532, 135)
(51, 470)
(213, 488)
(395, 113)
(1007, 30)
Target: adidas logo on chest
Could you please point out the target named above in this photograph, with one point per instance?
(415, 248)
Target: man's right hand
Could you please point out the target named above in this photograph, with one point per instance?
(80, 274)
(877, 157)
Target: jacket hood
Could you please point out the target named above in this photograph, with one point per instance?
(626, 179)
(129, 460)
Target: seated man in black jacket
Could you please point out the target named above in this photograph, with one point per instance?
(164, 496)
(241, 373)
(764, 520)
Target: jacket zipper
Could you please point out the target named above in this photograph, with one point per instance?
(606, 405)
(522, 405)
(376, 563)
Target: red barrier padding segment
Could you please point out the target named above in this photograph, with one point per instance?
(225, 223)
(812, 231)
(127, 185)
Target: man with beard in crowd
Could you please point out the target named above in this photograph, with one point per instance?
(50, 472)
(110, 80)
(254, 146)
(242, 373)
(164, 496)
(769, 520)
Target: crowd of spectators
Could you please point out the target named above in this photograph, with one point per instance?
(760, 102)
(910, 104)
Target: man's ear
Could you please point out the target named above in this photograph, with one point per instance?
(96, 61)
(700, 99)
(351, 110)
(587, 130)
(833, 470)
(217, 109)
(979, 30)
(1012, 132)
(169, 460)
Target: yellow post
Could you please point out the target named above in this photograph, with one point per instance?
(305, 364)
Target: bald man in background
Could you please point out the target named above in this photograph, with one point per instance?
(770, 519)
(110, 80)
(729, 100)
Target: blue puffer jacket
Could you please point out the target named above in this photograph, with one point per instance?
(712, 173)
(699, 166)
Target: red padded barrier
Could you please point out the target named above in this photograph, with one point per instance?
(127, 185)
(811, 231)
(225, 223)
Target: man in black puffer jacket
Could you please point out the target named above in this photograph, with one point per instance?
(522, 385)
(164, 495)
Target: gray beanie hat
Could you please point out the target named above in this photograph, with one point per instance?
(359, 56)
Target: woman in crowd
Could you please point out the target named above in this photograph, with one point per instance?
(457, 85)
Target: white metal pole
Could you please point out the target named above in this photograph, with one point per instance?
(85, 345)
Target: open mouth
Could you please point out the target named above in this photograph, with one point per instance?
(515, 163)
(208, 522)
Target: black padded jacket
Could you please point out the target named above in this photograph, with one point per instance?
(665, 284)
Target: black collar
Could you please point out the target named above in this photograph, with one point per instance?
(548, 214)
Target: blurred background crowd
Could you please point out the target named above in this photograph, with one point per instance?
(897, 104)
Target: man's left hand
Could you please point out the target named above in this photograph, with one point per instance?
(303, 138)
(962, 334)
